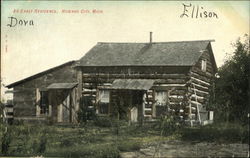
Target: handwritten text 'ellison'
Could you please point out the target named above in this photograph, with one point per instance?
(195, 11)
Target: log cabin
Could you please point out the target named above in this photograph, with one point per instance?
(132, 81)
(144, 81)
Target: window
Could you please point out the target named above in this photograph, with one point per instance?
(104, 96)
(44, 102)
(104, 101)
(203, 65)
(161, 98)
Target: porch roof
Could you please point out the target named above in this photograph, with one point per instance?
(61, 85)
(132, 84)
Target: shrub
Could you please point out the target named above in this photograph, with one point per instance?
(42, 145)
(168, 125)
(103, 121)
(6, 140)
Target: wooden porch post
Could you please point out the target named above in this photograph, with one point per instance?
(79, 93)
(38, 96)
(140, 111)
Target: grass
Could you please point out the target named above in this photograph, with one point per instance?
(89, 140)
(97, 140)
(218, 132)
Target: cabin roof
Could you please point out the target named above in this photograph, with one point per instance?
(180, 53)
(39, 74)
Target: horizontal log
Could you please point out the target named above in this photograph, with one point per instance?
(191, 92)
(91, 95)
(87, 89)
(201, 82)
(200, 72)
(135, 76)
(201, 101)
(199, 87)
(97, 80)
(90, 81)
(200, 77)
(174, 103)
(8, 109)
(195, 103)
(148, 106)
(176, 100)
(178, 92)
(192, 107)
(149, 100)
(88, 92)
(170, 85)
(171, 81)
(169, 88)
(195, 90)
(198, 82)
(177, 96)
(89, 86)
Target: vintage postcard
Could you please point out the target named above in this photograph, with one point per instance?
(125, 78)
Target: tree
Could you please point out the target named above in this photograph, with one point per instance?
(232, 85)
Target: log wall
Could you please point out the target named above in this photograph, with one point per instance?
(165, 80)
(200, 87)
(25, 95)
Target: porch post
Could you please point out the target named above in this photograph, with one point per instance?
(79, 92)
(37, 102)
(140, 111)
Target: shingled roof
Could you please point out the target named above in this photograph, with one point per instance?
(181, 53)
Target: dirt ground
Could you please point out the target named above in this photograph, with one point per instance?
(178, 148)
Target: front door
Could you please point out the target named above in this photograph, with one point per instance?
(129, 102)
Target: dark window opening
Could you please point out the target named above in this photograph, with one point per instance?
(44, 103)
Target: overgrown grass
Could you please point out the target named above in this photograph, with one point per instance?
(89, 140)
(218, 132)
(98, 140)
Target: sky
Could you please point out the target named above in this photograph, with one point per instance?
(56, 38)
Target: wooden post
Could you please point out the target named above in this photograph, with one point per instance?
(153, 104)
(38, 96)
(79, 92)
(140, 111)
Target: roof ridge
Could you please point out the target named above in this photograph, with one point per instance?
(210, 40)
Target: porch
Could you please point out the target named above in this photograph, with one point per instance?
(134, 100)
(57, 103)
